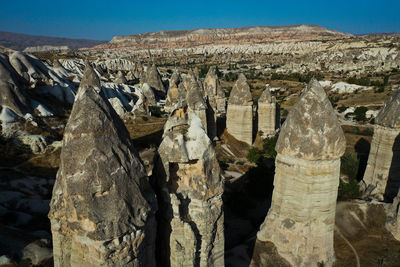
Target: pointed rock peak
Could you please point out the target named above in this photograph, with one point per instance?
(196, 72)
(57, 64)
(240, 94)
(265, 96)
(389, 115)
(90, 78)
(312, 130)
(194, 97)
(120, 78)
(175, 79)
(212, 71)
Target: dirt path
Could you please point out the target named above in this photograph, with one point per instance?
(350, 245)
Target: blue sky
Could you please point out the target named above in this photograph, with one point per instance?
(102, 20)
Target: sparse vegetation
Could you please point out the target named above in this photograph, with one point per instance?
(254, 155)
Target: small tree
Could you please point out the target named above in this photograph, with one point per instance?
(254, 155)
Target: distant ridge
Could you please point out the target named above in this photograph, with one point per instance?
(19, 41)
(225, 36)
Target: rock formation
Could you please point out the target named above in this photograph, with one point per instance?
(382, 175)
(239, 116)
(195, 100)
(120, 78)
(12, 98)
(176, 92)
(266, 113)
(393, 222)
(301, 219)
(191, 231)
(102, 208)
(214, 91)
(153, 78)
(149, 94)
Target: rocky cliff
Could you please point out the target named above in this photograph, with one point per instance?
(199, 37)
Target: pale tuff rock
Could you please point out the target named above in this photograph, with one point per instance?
(382, 175)
(305, 140)
(266, 112)
(153, 78)
(149, 95)
(300, 222)
(239, 116)
(195, 100)
(120, 78)
(190, 187)
(11, 96)
(214, 91)
(35, 72)
(176, 92)
(102, 208)
(393, 222)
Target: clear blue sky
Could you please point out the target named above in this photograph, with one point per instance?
(102, 20)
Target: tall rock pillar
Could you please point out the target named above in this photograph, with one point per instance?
(382, 175)
(191, 219)
(102, 211)
(266, 113)
(239, 116)
(301, 220)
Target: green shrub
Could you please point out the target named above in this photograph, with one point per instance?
(342, 109)
(349, 190)
(254, 155)
(349, 165)
(359, 113)
(269, 146)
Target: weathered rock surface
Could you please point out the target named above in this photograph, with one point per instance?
(12, 97)
(382, 175)
(120, 78)
(102, 208)
(153, 78)
(300, 222)
(176, 92)
(195, 100)
(266, 112)
(393, 222)
(214, 92)
(239, 116)
(191, 231)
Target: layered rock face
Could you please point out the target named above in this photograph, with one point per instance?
(201, 37)
(300, 222)
(102, 208)
(382, 175)
(266, 113)
(191, 231)
(239, 116)
(153, 78)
